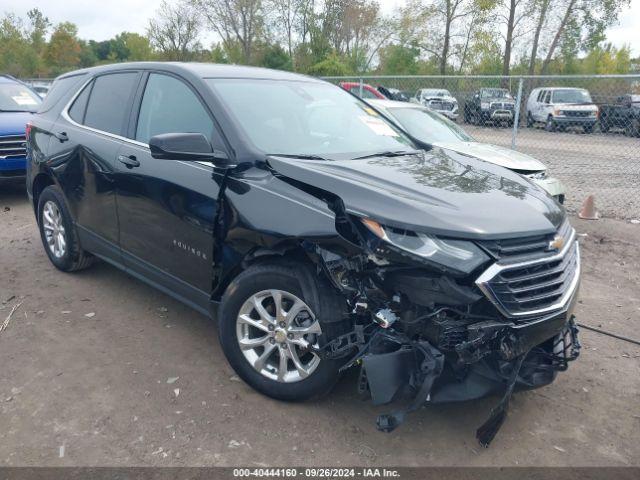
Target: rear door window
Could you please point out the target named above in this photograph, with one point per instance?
(76, 112)
(170, 106)
(109, 102)
(59, 89)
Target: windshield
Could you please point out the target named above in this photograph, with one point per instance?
(435, 93)
(308, 118)
(495, 93)
(428, 126)
(571, 96)
(17, 98)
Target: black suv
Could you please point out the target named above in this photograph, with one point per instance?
(490, 105)
(314, 230)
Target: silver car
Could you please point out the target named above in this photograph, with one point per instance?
(430, 127)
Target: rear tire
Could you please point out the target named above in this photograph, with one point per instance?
(530, 121)
(587, 129)
(249, 315)
(58, 232)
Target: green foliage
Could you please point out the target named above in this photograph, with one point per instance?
(274, 56)
(334, 38)
(330, 66)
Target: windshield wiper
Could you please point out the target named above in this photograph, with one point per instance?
(16, 111)
(301, 156)
(389, 153)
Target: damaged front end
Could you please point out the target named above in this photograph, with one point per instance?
(440, 320)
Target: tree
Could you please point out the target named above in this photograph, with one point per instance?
(399, 60)
(288, 14)
(513, 13)
(234, 21)
(543, 7)
(63, 51)
(585, 21)
(274, 56)
(136, 46)
(174, 31)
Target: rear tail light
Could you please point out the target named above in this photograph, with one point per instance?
(27, 130)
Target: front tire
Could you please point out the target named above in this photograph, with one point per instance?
(550, 126)
(268, 321)
(632, 128)
(58, 232)
(529, 120)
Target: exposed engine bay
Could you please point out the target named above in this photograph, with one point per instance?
(423, 336)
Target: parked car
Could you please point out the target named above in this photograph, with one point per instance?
(394, 94)
(439, 100)
(17, 103)
(490, 105)
(367, 90)
(311, 228)
(40, 89)
(559, 108)
(625, 115)
(433, 129)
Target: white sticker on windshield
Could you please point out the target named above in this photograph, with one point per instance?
(24, 99)
(378, 126)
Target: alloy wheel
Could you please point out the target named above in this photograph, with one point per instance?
(54, 230)
(275, 331)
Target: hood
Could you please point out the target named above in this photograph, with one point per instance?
(502, 156)
(443, 99)
(14, 123)
(576, 107)
(498, 100)
(440, 192)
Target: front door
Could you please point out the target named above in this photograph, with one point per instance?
(166, 207)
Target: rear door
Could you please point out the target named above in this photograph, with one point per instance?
(166, 207)
(85, 143)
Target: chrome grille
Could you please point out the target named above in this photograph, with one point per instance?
(13, 146)
(513, 248)
(533, 287)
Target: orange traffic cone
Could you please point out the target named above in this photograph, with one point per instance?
(588, 210)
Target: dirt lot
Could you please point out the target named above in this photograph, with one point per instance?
(606, 165)
(82, 389)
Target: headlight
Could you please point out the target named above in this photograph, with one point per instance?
(537, 175)
(460, 255)
(485, 105)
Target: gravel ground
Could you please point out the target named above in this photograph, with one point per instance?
(96, 368)
(606, 165)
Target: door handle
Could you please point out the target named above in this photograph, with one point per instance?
(130, 161)
(62, 136)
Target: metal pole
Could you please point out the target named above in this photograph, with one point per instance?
(361, 87)
(516, 120)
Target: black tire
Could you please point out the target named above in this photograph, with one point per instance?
(587, 129)
(290, 278)
(73, 257)
(530, 121)
(604, 125)
(632, 128)
(467, 116)
(550, 126)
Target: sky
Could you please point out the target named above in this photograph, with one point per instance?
(103, 20)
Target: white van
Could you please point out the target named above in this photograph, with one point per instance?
(561, 107)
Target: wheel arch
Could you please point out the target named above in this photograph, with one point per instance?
(40, 182)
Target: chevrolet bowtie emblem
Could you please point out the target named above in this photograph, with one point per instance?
(557, 243)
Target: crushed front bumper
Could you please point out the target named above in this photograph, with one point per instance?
(553, 187)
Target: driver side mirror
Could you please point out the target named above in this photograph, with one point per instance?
(184, 146)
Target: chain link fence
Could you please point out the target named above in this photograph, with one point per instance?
(585, 129)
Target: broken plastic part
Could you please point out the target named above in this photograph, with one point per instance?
(385, 317)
